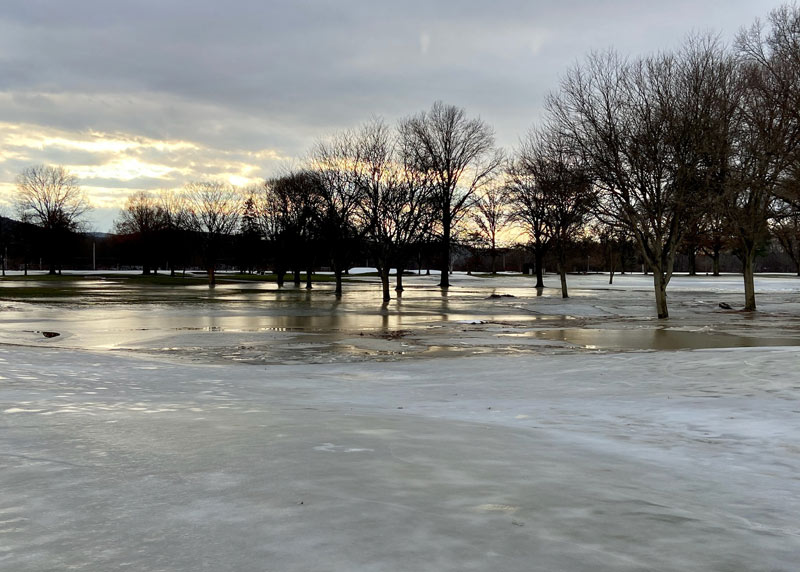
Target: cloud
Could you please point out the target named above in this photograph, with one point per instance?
(149, 92)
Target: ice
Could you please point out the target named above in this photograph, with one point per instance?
(545, 458)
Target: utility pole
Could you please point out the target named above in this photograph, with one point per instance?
(94, 259)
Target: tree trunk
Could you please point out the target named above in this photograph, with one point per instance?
(660, 284)
(538, 255)
(297, 279)
(384, 272)
(280, 276)
(748, 260)
(562, 271)
(309, 286)
(444, 282)
(399, 287)
(212, 277)
(337, 272)
(692, 253)
(610, 263)
(715, 262)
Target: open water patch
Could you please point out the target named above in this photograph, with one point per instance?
(653, 339)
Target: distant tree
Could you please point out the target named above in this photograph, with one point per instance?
(177, 223)
(50, 198)
(528, 207)
(786, 229)
(289, 213)
(272, 212)
(610, 240)
(143, 218)
(491, 215)
(249, 238)
(395, 211)
(458, 155)
(564, 189)
(337, 164)
(214, 210)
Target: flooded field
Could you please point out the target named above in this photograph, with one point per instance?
(503, 429)
(258, 322)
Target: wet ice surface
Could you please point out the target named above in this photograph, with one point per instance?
(259, 323)
(540, 455)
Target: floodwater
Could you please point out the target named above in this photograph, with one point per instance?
(260, 323)
(654, 339)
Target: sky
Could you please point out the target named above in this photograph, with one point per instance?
(151, 94)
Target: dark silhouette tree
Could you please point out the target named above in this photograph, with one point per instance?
(529, 212)
(214, 210)
(338, 167)
(564, 190)
(290, 213)
(395, 212)
(144, 219)
(491, 216)
(458, 156)
(50, 198)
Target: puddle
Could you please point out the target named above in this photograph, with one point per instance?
(653, 339)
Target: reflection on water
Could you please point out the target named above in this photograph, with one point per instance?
(259, 322)
(654, 339)
(109, 314)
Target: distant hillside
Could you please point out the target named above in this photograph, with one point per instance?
(12, 227)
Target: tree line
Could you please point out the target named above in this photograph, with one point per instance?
(685, 151)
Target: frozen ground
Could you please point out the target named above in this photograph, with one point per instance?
(539, 455)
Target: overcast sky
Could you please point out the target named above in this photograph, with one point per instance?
(149, 94)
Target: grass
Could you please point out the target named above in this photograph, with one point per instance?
(114, 287)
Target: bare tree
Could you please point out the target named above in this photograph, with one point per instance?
(177, 222)
(529, 211)
(338, 165)
(395, 208)
(564, 186)
(655, 132)
(767, 135)
(144, 218)
(213, 209)
(290, 212)
(491, 215)
(50, 198)
(458, 156)
(786, 229)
